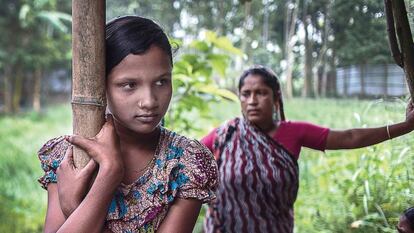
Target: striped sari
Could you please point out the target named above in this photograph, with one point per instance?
(258, 182)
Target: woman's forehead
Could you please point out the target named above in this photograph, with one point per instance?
(254, 82)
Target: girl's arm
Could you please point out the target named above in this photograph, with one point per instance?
(91, 213)
(181, 216)
(54, 215)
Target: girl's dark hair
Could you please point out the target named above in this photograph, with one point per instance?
(409, 215)
(270, 79)
(132, 35)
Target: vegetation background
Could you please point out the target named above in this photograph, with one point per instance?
(304, 41)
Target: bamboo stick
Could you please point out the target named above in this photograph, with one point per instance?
(88, 64)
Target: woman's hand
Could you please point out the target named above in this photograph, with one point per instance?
(72, 182)
(103, 148)
(410, 115)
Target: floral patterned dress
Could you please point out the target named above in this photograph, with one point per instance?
(182, 168)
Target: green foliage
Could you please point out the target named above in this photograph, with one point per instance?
(196, 74)
(23, 201)
(360, 32)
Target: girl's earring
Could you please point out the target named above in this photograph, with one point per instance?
(107, 111)
(276, 115)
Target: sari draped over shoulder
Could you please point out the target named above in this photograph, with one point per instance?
(258, 182)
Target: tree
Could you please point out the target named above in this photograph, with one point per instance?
(403, 50)
(51, 30)
(291, 11)
(39, 39)
(196, 77)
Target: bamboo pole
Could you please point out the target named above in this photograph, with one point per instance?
(403, 51)
(88, 64)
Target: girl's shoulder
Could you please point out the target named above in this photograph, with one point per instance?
(50, 156)
(181, 150)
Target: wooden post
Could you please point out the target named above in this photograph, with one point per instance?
(88, 64)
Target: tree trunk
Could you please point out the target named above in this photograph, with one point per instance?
(324, 51)
(88, 86)
(405, 39)
(239, 62)
(385, 90)
(307, 86)
(17, 90)
(404, 52)
(37, 89)
(8, 91)
(332, 70)
(247, 15)
(290, 24)
(265, 33)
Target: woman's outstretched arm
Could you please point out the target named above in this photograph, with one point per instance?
(362, 137)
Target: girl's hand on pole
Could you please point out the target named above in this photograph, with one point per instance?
(104, 148)
(72, 182)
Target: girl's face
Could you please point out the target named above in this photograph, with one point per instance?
(257, 100)
(139, 90)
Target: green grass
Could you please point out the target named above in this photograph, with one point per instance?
(368, 187)
(23, 201)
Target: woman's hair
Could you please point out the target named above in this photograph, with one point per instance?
(270, 79)
(409, 215)
(132, 35)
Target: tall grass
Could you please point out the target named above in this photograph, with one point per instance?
(361, 190)
(22, 200)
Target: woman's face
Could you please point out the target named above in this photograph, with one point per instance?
(403, 226)
(139, 90)
(257, 100)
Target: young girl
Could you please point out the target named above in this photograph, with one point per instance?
(148, 178)
(257, 157)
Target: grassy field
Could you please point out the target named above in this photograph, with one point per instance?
(23, 201)
(360, 190)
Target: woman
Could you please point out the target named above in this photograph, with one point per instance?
(406, 223)
(257, 157)
(148, 178)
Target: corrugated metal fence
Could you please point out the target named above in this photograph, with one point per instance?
(386, 80)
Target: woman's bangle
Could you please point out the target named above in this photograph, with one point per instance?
(388, 132)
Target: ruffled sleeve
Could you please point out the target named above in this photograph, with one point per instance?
(197, 177)
(50, 156)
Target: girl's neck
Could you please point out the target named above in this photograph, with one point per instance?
(129, 138)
